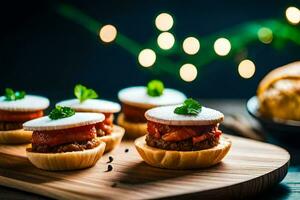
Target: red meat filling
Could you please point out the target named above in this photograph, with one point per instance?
(8, 116)
(105, 127)
(179, 133)
(64, 136)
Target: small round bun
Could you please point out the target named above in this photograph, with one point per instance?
(279, 93)
(133, 130)
(29, 103)
(166, 115)
(137, 96)
(289, 71)
(79, 119)
(114, 139)
(18, 136)
(66, 161)
(182, 159)
(92, 105)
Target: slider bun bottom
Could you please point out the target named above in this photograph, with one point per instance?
(133, 130)
(18, 136)
(114, 139)
(68, 160)
(182, 159)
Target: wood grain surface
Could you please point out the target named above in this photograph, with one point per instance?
(249, 168)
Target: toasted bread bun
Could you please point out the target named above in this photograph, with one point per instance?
(291, 70)
(77, 120)
(137, 96)
(114, 139)
(279, 93)
(182, 159)
(166, 115)
(133, 130)
(18, 136)
(92, 105)
(29, 103)
(66, 161)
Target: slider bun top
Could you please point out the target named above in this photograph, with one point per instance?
(137, 96)
(92, 105)
(29, 103)
(166, 115)
(77, 120)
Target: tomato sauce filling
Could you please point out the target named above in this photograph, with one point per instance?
(133, 113)
(8, 116)
(105, 127)
(64, 136)
(179, 133)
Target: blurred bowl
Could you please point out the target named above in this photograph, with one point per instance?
(276, 127)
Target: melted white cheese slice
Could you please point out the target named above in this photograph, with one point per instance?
(28, 104)
(92, 105)
(166, 115)
(77, 120)
(137, 96)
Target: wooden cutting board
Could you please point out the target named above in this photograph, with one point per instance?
(249, 168)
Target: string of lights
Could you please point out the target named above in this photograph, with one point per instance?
(225, 43)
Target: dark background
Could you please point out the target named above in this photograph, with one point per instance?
(44, 53)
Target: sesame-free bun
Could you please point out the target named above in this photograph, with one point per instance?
(114, 139)
(29, 103)
(166, 115)
(289, 71)
(133, 129)
(92, 105)
(137, 96)
(19, 136)
(68, 160)
(182, 159)
(79, 119)
(279, 93)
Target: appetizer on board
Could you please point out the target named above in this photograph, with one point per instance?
(137, 100)
(16, 107)
(85, 102)
(65, 140)
(279, 93)
(183, 137)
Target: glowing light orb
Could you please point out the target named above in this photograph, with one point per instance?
(265, 35)
(165, 40)
(147, 57)
(188, 72)
(191, 45)
(108, 33)
(164, 22)
(222, 46)
(293, 15)
(246, 69)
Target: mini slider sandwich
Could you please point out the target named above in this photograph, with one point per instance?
(15, 109)
(106, 131)
(183, 137)
(65, 140)
(137, 100)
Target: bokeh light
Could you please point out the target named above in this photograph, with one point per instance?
(293, 15)
(108, 33)
(222, 46)
(188, 72)
(165, 40)
(191, 45)
(164, 22)
(246, 69)
(265, 35)
(147, 57)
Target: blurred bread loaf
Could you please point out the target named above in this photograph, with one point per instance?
(279, 93)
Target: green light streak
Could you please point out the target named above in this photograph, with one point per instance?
(240, 36)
